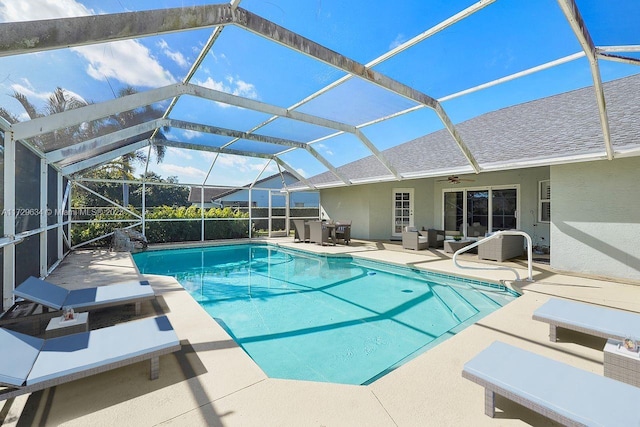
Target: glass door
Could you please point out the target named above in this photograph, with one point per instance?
(474, 212)
(402, 210)
(504, 208)
(454, 213)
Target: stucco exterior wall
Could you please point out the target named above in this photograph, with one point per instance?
(370, 206)
(595, 212)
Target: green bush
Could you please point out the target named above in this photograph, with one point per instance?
(219, 224)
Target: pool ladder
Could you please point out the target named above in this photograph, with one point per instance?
(495, 236)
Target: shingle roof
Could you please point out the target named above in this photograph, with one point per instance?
(555, 127)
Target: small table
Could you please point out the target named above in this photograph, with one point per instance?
(621, 364)
(58, 327)
(452, 246)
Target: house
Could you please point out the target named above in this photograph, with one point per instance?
(544, 171)
(261, 191)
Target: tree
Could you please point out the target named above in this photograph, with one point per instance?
(62, 100)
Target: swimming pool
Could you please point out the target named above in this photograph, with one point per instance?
(324, 318)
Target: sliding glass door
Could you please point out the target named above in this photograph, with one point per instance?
(475, 212)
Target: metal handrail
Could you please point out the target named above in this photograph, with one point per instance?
(494, 236)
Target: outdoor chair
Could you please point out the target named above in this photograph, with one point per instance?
(301, 230)
(37, 292)
(319, 232)
(435, 237)
(587, 318)
(30, 364)
(561, 392)
(343, 231)
(502, 248)
(412, 239)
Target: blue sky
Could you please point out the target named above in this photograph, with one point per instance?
(506, 37)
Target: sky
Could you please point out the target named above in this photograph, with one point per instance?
(505, 37)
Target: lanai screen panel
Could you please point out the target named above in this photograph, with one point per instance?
(248, 65)
(342, 149)
(487, 45)
(403, 128)
(357, 102)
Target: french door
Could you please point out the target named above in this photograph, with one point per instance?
(475, 212)
(402, 210)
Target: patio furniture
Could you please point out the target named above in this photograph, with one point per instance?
(30, 364)
(412, 239)
(343, 231)
(561, 392)
(589, 319)
(621, 363)
(451, 246)
(502, 248)
(475, 230)
(301, 230)
(39, 292)
(319, 232)
(435, 237)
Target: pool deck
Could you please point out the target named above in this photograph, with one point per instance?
(211, 381)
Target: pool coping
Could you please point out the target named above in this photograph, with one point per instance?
(428, 390)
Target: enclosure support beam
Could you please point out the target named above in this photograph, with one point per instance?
(9, 214)
(43, 236)
(103, 158)
(571, 12)
(36, 36)
(74, 150)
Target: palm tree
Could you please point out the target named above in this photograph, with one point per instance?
(62, 100)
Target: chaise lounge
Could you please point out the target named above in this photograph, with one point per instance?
(561, 392)
(30, 364)
(587, 318)
(40, 292)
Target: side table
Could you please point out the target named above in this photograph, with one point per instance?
(621, 364)
(450, 246)
(58, 327)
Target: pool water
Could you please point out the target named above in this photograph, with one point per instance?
(320, 318)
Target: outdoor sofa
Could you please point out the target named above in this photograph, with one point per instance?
(30, 364)
(37, 292)
(561, 392)
(589, 319)
(502, 248)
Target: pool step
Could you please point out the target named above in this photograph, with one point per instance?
(460, 308)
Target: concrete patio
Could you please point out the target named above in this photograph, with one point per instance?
(211, 381)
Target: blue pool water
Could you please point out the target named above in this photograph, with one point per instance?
(318, 318)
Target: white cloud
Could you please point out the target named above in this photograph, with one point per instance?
(400, 38)
(233, 86)
(128, 61)
(185, 173)
(17, 10)
(324, 149)
(189, 134)
(174, 55)
(183, 154)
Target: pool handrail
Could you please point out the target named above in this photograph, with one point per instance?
(494, 236)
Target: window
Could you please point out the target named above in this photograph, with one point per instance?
(544, 201)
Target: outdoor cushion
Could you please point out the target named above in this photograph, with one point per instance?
(19, 353)
(591, 319)
(555, 389)
(56, 297)
(30, 363)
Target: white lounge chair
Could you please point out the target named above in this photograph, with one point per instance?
(561, 392)
(30, 364)
(55, 297)
(589, 319)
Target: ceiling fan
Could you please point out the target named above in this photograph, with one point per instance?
(454, 179)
